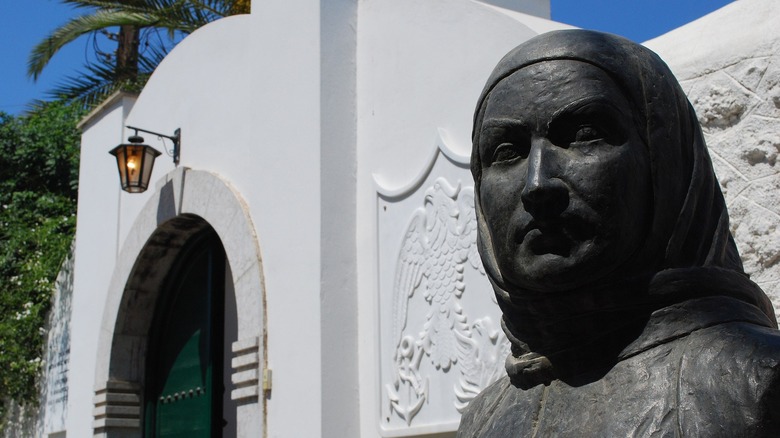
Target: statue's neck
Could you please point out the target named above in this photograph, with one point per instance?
(579, 334)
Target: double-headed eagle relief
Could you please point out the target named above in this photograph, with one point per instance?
(438, 246)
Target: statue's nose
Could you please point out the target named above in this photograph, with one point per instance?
(544, 196)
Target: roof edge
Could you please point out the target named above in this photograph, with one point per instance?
(103, 106)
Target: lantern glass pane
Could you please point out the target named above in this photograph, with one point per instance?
(120, 163)
(148, 165)
(134, 158)
(135, 163)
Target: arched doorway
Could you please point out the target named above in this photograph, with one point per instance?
(189, 203)
(185, 377)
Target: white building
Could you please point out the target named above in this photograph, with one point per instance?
(299, 123)
(277, 260)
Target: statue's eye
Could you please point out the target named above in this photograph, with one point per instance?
(588, 133)
(503, 141)
(508, 152)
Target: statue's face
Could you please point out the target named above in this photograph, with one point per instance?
(565, 186)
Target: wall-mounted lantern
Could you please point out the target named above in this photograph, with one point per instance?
(135, 160)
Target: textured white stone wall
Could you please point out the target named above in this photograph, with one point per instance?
(48, 417)
(729, 65)
(739, 110)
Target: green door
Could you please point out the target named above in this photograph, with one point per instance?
(184, 383)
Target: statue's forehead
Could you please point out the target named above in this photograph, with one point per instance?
(544, 88)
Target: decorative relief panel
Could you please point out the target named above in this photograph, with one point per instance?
(441, 340)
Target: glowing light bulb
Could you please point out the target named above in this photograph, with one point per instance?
(131, 166)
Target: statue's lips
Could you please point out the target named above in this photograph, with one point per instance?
(554, 237)
(548, 242)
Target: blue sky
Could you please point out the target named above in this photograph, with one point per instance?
(25, 22)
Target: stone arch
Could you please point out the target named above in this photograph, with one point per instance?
(185, 203)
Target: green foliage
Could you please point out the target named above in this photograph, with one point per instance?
(38, 184)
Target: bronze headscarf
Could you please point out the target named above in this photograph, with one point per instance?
(689, 229)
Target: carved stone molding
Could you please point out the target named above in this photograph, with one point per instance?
(117, 407)
(246, 369)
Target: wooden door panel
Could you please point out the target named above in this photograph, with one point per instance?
(186, 348)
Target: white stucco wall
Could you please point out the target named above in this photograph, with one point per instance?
(285, 203)
(252, 116)
(97, 230)
(339, 335)
(247, 102)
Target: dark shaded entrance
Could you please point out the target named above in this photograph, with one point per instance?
(185, 384)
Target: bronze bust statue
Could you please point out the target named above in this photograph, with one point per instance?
(605, 236)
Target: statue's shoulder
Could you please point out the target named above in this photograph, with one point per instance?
(501, 410)
(473, 422)
(732, 367)
(735, 345)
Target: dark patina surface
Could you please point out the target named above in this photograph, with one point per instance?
(605, 235)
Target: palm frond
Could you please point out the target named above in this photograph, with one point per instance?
(93, 86)
(218, 8)
(46, 49)
(98, 4)
(151, 58)
(100, 79)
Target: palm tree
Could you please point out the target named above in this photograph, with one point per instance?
(139, 46)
